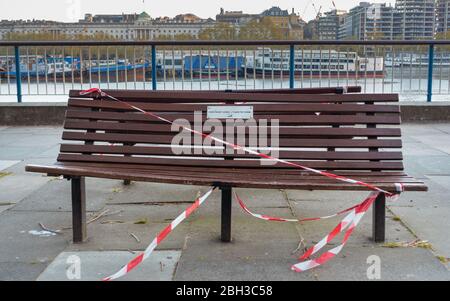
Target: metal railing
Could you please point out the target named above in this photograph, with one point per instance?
(38, 68)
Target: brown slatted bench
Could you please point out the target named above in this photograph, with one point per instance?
(355, 135)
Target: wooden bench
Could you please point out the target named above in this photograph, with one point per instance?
(355, 135)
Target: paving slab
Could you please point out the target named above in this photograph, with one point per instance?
(314, 231)
(160, 266)
(20, 271)
(34, 130)
(6, 206)
(21, 152)
(237, 262)
(30, 140)
(139, 192)
(440, 141)
(18, 244)
(262, 197)
(428, 224)
(56, 195)
(419, 129)
(397, 264)
(4, 164)
(444, 127)
(14, 188)
(51, 153)
(114, 233)
(420, 149)
(429, 165)
(306, 195)
(19, 168)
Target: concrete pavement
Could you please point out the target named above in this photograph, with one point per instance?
(259, 251)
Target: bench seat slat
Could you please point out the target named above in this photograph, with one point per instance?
(248, 173)
(284, 142)
(312, 119)
(202, 97)
(113, 173)
(155, 150)
(226, 170)
(272, 108)
(288, 131)
(348, 165)
(145, 94)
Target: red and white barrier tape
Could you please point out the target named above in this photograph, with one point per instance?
(159, 238)
(352, 219)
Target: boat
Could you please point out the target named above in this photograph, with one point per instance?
(112, 66)
(416, 60)
(169, 64)
(116, 70)
(39, 66)
(315, 64)
(213, 66)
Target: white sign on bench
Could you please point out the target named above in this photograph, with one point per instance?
(230, 112)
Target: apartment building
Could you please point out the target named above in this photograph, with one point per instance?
(416, 19)
(442, 16)
(329, 23)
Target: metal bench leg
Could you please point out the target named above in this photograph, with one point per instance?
(226, 214)
(126, 182)
(379, 218)
(78, 209)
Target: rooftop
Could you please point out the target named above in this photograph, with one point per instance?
(260, 250)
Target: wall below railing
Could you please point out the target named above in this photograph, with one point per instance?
(34, 114)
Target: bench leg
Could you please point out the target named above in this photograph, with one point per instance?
(126, 182)
(226, 214)
(379, 218)
(78, 209)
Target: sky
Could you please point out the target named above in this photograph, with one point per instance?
(72, 10)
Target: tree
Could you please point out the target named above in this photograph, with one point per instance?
(177, 37)
(261, 29)
(220, 31)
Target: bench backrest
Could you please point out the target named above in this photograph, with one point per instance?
(356, 132)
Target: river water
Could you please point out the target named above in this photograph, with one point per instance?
(413, 88)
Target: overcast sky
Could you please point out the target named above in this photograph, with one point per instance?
(72, 10)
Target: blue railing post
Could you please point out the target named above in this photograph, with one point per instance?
(291, 66)
(430, 72)
(153, 67)
(18, 74)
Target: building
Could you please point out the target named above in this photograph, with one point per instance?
(416, 18)
(329, 23)
(442, 16)
(291, 25)
(123, 18)
(234, 17)
(120, 27)
(311, 30)
(370, 21)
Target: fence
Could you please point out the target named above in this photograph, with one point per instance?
(411, 68)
